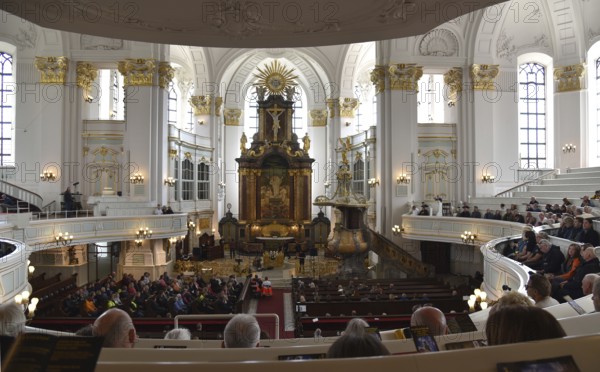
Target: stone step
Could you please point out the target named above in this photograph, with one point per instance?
(574, 181)
(583, 170)
(583, 188)
(556, 195)
(590, 174)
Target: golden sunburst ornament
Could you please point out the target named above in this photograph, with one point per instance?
(276, 77)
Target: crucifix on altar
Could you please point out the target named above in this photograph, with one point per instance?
(275, 113)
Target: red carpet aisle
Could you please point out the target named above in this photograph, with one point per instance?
(273, 305)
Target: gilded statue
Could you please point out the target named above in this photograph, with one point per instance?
(243, 142)
(306, 140)
(345, 149)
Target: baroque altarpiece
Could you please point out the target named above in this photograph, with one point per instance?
(275, 171)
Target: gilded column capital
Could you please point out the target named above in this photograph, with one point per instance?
(332, 106)
(318, 118)
(218, 105)
(86, 74)
(166, 73)
(232, 116)
(53, 70)
(378, 78)
(453, 79)
(483, 76)
(173, 153)
(137, 72)
(405, 76)
(201, 104)
(348, 106)
(569, 77)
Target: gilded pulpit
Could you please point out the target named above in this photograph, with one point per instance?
(275, 171)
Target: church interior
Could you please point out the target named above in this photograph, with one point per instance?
(361, 149)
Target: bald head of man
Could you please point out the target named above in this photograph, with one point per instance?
(431, 318)
(116, 326)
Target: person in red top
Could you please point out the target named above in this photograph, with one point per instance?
(266, 285)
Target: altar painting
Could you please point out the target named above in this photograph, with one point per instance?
(275, 193)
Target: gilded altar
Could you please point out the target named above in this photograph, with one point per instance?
(275, 174)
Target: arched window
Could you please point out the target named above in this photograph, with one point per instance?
(110, 106)
(532, 116)
(596, 98)
(203, 181)
(358, 176)
(190, 117)
(430, 99)
(187, 180)
(172, 105)
(7, 109)
(299, 117)
(250, 116)
(176, 176)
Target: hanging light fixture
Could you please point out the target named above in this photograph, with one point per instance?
(64, 239)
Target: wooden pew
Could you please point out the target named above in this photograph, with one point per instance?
(466, 360)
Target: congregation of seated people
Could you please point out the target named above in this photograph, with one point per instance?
(534, 215)
(564, 273)
(164, 297)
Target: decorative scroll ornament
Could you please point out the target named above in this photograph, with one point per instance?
(53, 69)
(188, 155)
(201, 104)
(332, 106)
(569, 77)
(378, 78)
(405, 76)
(290, 152)
(137, 72)
(453, 79)
(218, 105)
(276, 77)
(86, 74)
(318, 117)
(232, 116)
(166, 73)
(173, 153)
(261, 150)
(348, 106)
(396, 11)
(483, 76)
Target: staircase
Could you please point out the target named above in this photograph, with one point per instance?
(394, 255)
(573, 185)
(550, 189)
(27, 201)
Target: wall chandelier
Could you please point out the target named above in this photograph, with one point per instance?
(468, 237)
(48, 176)
(569, 147)
(64, 239)
(403, 178)
(136, 178)
(486, 178)
(373, 182)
